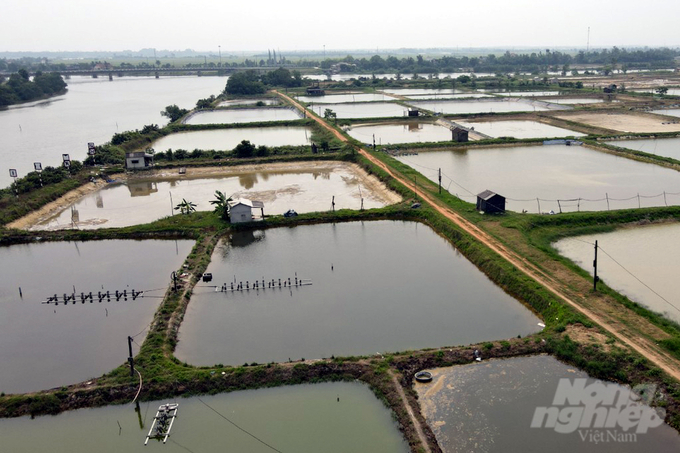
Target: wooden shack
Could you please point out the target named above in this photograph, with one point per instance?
(315, 90)
(490, 203)
(458, 134)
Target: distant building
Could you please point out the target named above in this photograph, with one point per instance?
(315, 90)
(459, 134)
(490, 203)
(242, 210)
(413, 112)
(138, 159)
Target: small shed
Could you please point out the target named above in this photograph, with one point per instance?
(138, 159)
(490, 202)
(458, 134)
(413, 112)
(315, 90)
(242, 210)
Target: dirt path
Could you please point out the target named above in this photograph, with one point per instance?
(642, 345)
(414, 420)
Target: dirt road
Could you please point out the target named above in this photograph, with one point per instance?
(642, 345)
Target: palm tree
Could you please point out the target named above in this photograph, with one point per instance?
(186, 207)
(221, 203)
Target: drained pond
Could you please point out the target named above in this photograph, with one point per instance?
(485, 106)
(519, 129)
(233, 116)
(667, 147)
(648, 252)
(304, 187)
(227, 139)
(490, 407)
(47, 345)
(579, 177)
(330, 417)
(376, 287)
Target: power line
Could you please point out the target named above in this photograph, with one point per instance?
(251, 435)
(179, 445)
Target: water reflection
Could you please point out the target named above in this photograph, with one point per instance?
(141, 188)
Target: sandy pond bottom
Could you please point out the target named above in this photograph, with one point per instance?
(623, 122)
(305, 187)
(304, 419)
(649, 252)
(44, 346)
(489, 407)
(377, 286)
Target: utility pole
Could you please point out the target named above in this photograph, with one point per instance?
(440, 180)
(173, 276)
(220, 50)
(131, 359)
(595, 277)
(333, 203)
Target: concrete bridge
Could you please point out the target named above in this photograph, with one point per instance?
(121, 72)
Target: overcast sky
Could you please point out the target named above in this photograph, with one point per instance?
(49, 25)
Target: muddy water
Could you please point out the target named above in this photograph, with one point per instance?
(91, 111)
(232, 102)
(280, 188)
(579, 101)
(377, 287)
(453, 107)
(411, 132)
(43, 346)
(668, 147)
(649, 252)
(369, 110)
(670, 112)
(305, 418)
(227, 139)
(342, 98)
(520, 129)
(489, 407)
(551, 173)
(242, 116)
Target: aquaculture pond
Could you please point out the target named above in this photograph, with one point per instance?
(667, 147)
(304, 188)
(232, 116)
(343, 98)
(579, 177)
(362, 110)
(91, 111)
(406, 132)
(648, 252)
(670, 112)
(233, 102)
(424, 91)
(376, 287)
(227, 139)
(47, 345)
(485, 106)
(490, 407)
(519, 129)
(579, 101)
(330, 417)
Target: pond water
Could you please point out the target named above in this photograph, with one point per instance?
(342, 98)
(649, 252)
(671, 91)
(44, 346)
(490, 406)
(411, 132)
(303, 418)
(424, 91)
(368, 110)
(377, 286)
(667, 147)
(520, 129)
(551, 173)
(91, 111)
(497, 106)
(580, 101)
(265, 101)
(420, 97)
(280, 187)
(526, 93)
(227, 139)
(242, 116)
(669, 112)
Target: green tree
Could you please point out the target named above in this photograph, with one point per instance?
(221, 203)
(330, 115)
(205, 103)
(186, 207)
(244, 149)
(662, 90)
(174, 112)
(244, 83)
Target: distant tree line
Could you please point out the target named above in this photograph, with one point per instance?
(20, 88)
(250, 82)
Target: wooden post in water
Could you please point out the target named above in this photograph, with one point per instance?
(539, 205)
(333, 203)
(131, 359)
(595, 277)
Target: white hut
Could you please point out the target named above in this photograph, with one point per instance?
(242, 210)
